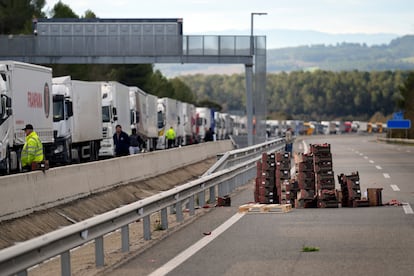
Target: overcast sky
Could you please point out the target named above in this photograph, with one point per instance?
(331, 16)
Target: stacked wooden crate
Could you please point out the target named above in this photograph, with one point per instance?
(324, 175)
(305, 177)
(265, 189)
(283, 177)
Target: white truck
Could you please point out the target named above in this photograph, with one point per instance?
(167, 112)
(115, 111)
(25, 98)
(187, 123)
(144, 115)
(77, 120)
(204, 121)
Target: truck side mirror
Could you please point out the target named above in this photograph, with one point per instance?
(114, 111)
(70, 109)
(9, 110)
(8, 103)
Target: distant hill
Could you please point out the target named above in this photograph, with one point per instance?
(398, 54)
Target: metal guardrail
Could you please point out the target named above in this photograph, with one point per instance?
(234, 169)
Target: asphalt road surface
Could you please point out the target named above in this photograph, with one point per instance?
(351, 241)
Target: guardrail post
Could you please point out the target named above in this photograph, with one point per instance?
(125, 238)
(201, 198)
(164, 219)
(147, 228)
(221, 189)
(65, 263)
(212, 197)
(191, 206)
(179, 211)
(99, 252)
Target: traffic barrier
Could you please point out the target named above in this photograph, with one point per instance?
(22, 194)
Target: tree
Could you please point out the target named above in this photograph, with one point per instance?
(181, 91)
(61, 10)
(406, 102)
(89, 14)
(16, 16)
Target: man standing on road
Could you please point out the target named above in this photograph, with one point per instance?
(289, 141)
(170, 137)
(134, 142)
(32, 150)
(121, 142)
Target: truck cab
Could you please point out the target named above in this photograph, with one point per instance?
(115, 111)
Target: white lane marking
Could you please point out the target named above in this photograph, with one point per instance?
(357, 152)
(365, 157)
(395, 188)
(361, 154)
(407, 208)
(186, 254)
(408, 151)
(371, 161)
(386, 175)
(378, 167)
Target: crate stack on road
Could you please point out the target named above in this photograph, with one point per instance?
(283, 185)
(324, 175)
(265, 190)
(305, 177)
(351, 190)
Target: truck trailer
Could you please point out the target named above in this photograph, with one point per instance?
(77, 120)
(115, 111)
(25, 98)
(144, 115)
(168, 114)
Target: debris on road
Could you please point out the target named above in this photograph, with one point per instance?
(312, 186)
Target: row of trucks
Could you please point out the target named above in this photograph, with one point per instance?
(278, 128)
(76, 120)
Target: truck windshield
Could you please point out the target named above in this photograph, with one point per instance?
(58, 110)
(106, 114)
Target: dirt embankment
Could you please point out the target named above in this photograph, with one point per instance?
(42, 222)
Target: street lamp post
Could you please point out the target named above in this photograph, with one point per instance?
(251, 30)
(249, 84)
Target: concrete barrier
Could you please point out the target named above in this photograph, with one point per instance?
(22, 194)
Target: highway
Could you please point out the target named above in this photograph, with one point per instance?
(351, 241)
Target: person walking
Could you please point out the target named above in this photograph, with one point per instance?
(209, 136)
(289, 141)
(170, 137)
(32, 150)
(121, 142)
(135, 142)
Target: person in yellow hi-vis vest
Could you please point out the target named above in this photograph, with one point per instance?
(32, 150)
(170, 136)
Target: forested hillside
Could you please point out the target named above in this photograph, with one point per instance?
(314, 95)
(397, 55)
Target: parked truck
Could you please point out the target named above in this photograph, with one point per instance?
(144, 116)
(77, 120)
(168, 116)
(25, 98)
(204, 121)
(115, 111)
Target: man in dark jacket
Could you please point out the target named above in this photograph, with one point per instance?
(121, 142)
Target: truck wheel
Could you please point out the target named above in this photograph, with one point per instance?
(19, 160)
(7, 164)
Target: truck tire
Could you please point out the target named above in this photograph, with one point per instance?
(19, 160)
(7, 164)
